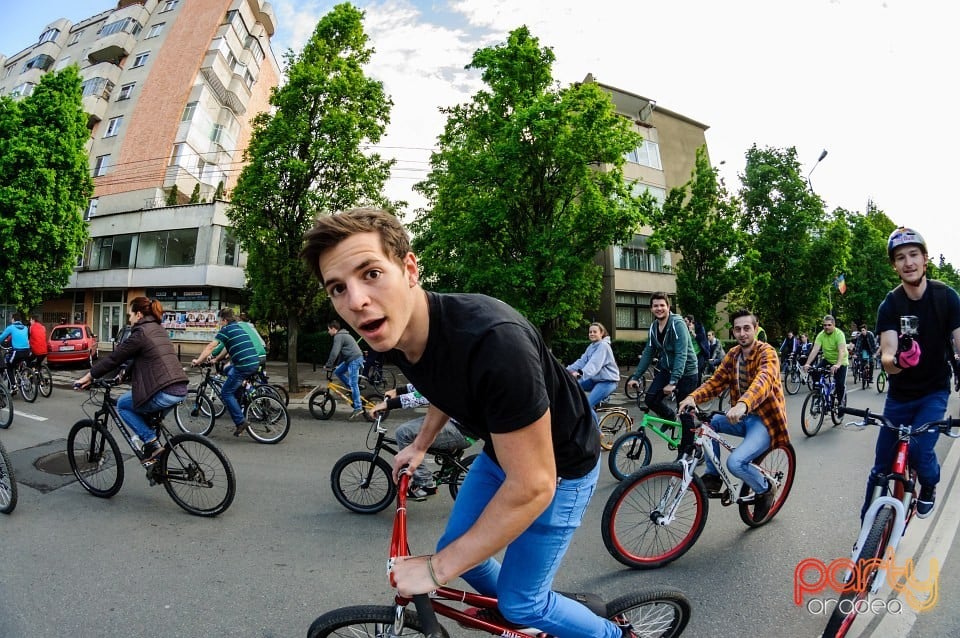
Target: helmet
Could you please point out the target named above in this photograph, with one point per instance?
(904, 236)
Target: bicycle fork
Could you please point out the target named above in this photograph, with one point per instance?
(666, 510)
(899, 525)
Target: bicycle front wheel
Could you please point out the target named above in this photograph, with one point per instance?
(873, 550)
(6, 407)
(28, 385)
(210, 391)
(811, 414)
(629, 453)
(632, 392)
(457, 475)
(95, 458)
(779, 466)
(363, 483)
(267, 419)
(792, 382)
(45, 381)
(322, 405)
(195, 414)
(197, 475)
(882, 381)
(8, 483)
(836, 407)
(383, 380)
(659, 613)
(366, 620)
(610, 426)
(631, 525)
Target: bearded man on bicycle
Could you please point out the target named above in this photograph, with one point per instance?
(758, 411)
(916, 323)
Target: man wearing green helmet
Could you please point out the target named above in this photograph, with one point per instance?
(916, 323)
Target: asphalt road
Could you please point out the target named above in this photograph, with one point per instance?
(286, 551)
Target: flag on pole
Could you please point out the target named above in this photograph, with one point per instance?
(840, 284)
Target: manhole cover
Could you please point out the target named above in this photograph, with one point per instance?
(56, 463)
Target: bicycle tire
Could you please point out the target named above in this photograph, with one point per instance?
(322, 405)
(610, 426)
(811, 414)
(856, 374)
(660, 613)
(197, 475)
(281, 393)
(45, 381)
(348, 480)
(792, 382)
(835, 407)
(781, 463)
(212, 393)
(629, 453)
(8, 483)
(267, 418)
(457, 475)
(629, 532)
(366, 620)
(874, 548)
(881, 381)
(194, 415)
(95, 458)
(635, 393)
(866, 377)
(6, 407)
(383, 380)
(28, 385)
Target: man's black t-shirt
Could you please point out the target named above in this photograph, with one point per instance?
(933, 372)
(488, 367)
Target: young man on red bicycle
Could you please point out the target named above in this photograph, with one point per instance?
(916, 323)
(758, 410)
(479, 361)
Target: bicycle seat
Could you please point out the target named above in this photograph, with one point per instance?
(591, 601)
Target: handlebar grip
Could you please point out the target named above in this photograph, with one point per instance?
(428, 619)
(847, 410)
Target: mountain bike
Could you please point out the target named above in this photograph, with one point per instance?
(793, 375)
(656, 514)
(23, 377)
(363, 481)
(892, 506)
(43, 379)
(258, 378)
(6, 407)
(196, 473)
(881, 377)
(821, 401)
(376, 376)
(267, 418)
(659, 613)
(633, 449)
(322, 400)
(8, 483)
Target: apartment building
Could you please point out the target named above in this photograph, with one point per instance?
(170, 88)
(665, 159)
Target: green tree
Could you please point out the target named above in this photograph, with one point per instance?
(45, 185)
(220, 192)
(517, 206)
(702, 222)
(796, 250)
(173, 196)
(306, 159)
(868, 273)
(195, 195)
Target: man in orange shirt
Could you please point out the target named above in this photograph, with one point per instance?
(38, 341)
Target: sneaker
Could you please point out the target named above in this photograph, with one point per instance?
(763, 503)
(712, 482)
(151, 452)
(925, 503)
(240, 429)
(417, 493)
(357, 412)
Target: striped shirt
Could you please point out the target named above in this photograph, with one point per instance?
(764, 396)
(243, 353)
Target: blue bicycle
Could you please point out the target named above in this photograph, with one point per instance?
(822, 400)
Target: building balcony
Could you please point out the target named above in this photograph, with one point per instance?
(95, 106)
(238, 95)
(106, 70)
(228, 86)
(112, 48)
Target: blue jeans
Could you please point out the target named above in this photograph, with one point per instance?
(352, 368)
(522, 583)
(159, 401)
(228, 392)
(597, 391)
(756, 441)
(923, 453)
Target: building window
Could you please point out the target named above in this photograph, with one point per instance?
(23, 90)
(62, 63)
(126, 25)
(112, 252)
(170, 5)
(92, 207)
(232, 61)
(167, 248)
(229, 254)
(633, 311)
(177, 153)
(113, 126)
(248, 79)
(125, 91)
(647, 154)
(217, 133)
(7, 71)
(155, 30)
(101, 165)
(659, 194)
(141, 59)
(100, 87)
(75, 37)
(637, 256)
(42, 62)
(49, 35)
(188, 111)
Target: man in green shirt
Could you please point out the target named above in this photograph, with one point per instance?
(834, 346)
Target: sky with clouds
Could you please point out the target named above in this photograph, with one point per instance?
(863, 79)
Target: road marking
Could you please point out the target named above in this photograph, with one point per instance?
(28, 415)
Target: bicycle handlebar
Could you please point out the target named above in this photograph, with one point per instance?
(869, 418)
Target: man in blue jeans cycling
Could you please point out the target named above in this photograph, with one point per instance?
(479, 361)
(350, 357)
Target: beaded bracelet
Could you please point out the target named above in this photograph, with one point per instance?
(433, 574)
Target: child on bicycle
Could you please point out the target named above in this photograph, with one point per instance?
(477, 360)
(758, 410)
(916, 323)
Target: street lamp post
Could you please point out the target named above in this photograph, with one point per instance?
(823, 154)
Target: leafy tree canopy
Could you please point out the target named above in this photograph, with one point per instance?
(306, 159)
(518, 204)
(45, 185)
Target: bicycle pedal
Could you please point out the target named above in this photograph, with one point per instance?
(725, 499)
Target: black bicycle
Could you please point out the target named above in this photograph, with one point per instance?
(363, 481)
(24, 377)
(6, 407)
(196, 473)
(8, 483)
